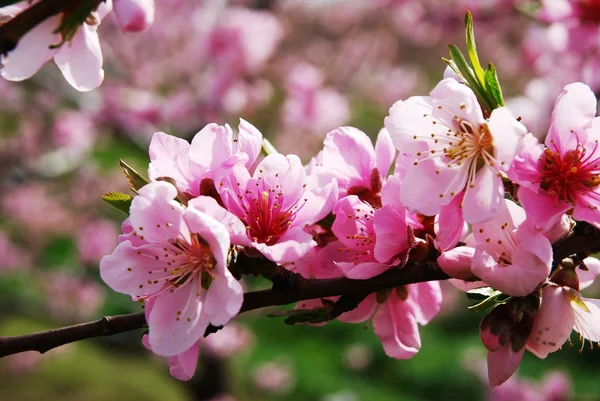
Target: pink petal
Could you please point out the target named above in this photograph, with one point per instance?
(134, 15)
(176, 320)
(155, 215)
(231, 181)
(236, 228)
(390, 193)
(284, 172)
(457, 101)
(294, 244)
(507, 135)
(325, 261)
(587, 322)
(169, 158)
(483, 201)
(396, 326)
(586, 208)
(429, 185)
(385, 152)
(573, 110)
(553, 324)
(502, 364)
(211, 146)
(32, 50)
(543, 210)
(587, 277)
(183, 366)
(319, 203)
(212, 231)
(362, 271)
(249, 141)
(426, 299)
(531, 265)
(451, 224)
(361, 313)
(80, 60)
(525, 168)
(348, 156)
(457, 262)
(392, 234)
(353, 222)
(410, 118)
(132, 271)
(224, 299)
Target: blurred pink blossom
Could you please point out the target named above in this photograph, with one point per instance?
(96, 239)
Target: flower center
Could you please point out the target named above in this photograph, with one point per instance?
(474, 145)
(567, 176)
(265, 216)
(191, 259)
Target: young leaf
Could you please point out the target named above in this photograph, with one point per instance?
(467, 73)
(268, 148)
(136, 181)
(493, 85)
(472, 50)
(119, 200)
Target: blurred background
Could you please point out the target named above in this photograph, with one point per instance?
(296, 69)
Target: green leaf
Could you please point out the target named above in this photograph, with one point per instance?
(136, 181)
(488, 297)
(467, 73)
(119, 200)
(480, 293)
(74, 18)
(268, 148)
(472, 50)
(493, 85)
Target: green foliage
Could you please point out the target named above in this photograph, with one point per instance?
(136, 180)
(484, 83)
(119, 200)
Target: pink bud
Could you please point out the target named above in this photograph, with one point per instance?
(457, 262)
(134, 15)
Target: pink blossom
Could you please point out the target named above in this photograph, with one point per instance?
(563, 176)
(509, 329)
(360, 169)
(508, 256)
(178, 263)
(455, 149)
(274, 377)
(233, 339)
(276, 204)
(311, 105)
(134, 15)
(189, 164)
(79, 59)
(72, 298)
(96, 239)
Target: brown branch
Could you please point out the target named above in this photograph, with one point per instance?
(304, 289)
(585, 239)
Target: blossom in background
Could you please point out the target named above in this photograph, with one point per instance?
(134, 15)
(562, 176)
(177, 264)
(455, 149)
(190, 164)
(79, 59)
(276, 204)
(96, 239)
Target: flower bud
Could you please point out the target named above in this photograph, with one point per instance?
(134, 15)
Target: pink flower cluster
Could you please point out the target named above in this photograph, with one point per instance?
(433, 184)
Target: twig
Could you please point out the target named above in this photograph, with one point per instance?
(306, 289)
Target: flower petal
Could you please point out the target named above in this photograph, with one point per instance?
(502, 364)
(396, 326)
(483, 201)
(80, 60)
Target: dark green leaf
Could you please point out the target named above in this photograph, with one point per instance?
(303, 316)
(136, 181)
(487, 296)
(478, 294)
(119, 200)
(75, 17)
(493, 85)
